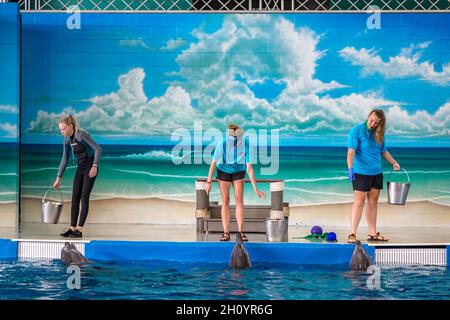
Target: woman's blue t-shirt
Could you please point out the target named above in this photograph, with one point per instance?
(367, 150)
(232, 154)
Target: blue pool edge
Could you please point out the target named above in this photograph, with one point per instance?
(215, 252)
(208, 252)
(8, 249)
(297, 253)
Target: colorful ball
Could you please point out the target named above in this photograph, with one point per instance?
(331, 236)
(316, 230)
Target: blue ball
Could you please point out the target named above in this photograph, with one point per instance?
(316, 230)
(331, 236)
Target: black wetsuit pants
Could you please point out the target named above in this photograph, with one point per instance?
(82, 187)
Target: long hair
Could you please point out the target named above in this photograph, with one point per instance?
(70, 121)
(379, 135)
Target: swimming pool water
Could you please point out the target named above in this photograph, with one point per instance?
(178, 280)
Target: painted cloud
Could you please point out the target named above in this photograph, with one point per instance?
(405, 64)
(8, 109)
(8, 130)
(216, 87)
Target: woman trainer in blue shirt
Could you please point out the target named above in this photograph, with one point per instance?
(232, 157)
(366, 145)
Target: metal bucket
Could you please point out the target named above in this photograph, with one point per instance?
(276, 230)
(51, 210)
(276, 215)
(398, 191)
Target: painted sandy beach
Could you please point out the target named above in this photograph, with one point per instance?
(161, 211)
(8, 213)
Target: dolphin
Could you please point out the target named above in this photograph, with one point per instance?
(360, 259)
(240, 258)
(70, 255)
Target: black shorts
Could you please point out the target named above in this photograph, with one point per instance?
(364, 182)
(230, 177)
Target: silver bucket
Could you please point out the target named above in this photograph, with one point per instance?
(51, 210)
(276, 230)
(398, 191)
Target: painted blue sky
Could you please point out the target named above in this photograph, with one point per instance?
(137, 78)
(9, 76)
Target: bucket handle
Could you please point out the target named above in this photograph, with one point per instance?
(45, 195)
(400, 169)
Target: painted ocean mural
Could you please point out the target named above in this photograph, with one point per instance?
(313, 175)
(9, 172)
(132, 81)
(9, 113)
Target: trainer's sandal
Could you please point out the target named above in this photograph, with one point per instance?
(225, 236)
(377, 237)
(244, 237)
(351, 238)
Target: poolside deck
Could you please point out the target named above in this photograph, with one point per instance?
(187, 233)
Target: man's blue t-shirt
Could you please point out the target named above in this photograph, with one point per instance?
(232, 154)
(367, 150)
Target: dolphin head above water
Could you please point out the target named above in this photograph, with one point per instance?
(360, 259)
(70, 255)
(240, 258)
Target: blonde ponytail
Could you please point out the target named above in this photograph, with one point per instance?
(70, 121)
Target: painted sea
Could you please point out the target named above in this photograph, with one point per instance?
(9, 179)
(312, 175)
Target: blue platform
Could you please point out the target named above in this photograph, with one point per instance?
(215, 252)
(8, 249)
(297, 253)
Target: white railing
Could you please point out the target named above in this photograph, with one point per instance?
(387, 256)
(44, 249)
(235, 5)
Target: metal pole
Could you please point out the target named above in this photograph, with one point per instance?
(276, 207)
(202, 200)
